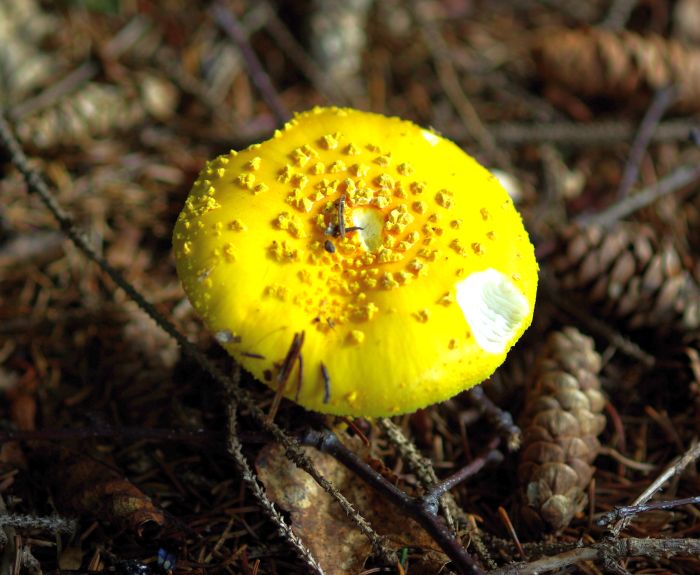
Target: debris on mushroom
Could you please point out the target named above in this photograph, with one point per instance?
(402, 260)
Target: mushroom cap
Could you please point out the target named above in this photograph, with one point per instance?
(417, 294)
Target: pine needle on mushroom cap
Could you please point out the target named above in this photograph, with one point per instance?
(402, 260)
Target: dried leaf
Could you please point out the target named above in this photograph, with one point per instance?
(90, 487)
(330, 535)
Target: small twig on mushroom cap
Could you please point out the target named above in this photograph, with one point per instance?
(285, 371)
(326, 383)
(341, 216)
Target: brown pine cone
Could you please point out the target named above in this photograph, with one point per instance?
(602, 63)
(629, 275)
(560, 423)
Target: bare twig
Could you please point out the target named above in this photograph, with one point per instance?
(293, 354)
(422, 509)
(605, 551)
(38, 186)
(676, 467)
(449, 80)
(53, 524)
(674, 182)
(469, 470)
(505, 518)
(228, 22)
(618, 14)
(235, 450)
(423, 469)
(631, 510)
(332, 92)
(607, 133)
(420, 465)
(501, 420)
(663, 100)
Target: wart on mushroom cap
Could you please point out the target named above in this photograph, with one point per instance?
(417, 293)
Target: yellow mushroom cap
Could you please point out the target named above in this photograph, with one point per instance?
(421, 303)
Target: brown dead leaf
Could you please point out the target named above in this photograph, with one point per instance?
(92, 487)
(330, 535)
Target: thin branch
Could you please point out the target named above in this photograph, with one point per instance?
(235, 450)
(605, 551)
(334, 93)
(420, 465)
(618, 14)
(675, 181)
(607, 133)
(421, 509)
(114, 48)
(37, 186)
(53, 524)
(423, 469)
(440, 53)
(228, 22)
(662, 101)
(631, 510)
(500, 419)
(675, 468)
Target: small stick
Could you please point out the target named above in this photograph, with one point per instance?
(285, 371)
(470, 470)
(631, 510)
(676, 180)
(618, 14)
(607, 550)
(341, 216)
(300, 376)
(332, 92)
(326, 383)
(675, 468)
(228, 22)
(253, 355)
(449, 80)
(361, 434)
(662, 101)
(499, 418)
(422, 509)
(578, 134)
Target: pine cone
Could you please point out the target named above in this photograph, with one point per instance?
(602, 63)
(629, 275)
(561, 421)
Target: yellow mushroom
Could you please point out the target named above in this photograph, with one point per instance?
(402, 260)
